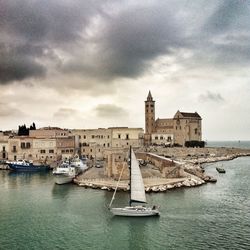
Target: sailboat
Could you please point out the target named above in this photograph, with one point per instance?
(137, 193)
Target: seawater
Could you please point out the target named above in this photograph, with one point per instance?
(229, 144)
(35, 213)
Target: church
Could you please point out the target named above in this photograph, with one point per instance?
(183, 127)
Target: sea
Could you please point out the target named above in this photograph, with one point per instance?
(35, 213)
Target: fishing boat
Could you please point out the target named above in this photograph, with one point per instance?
(64, 173)
(24, 165)
(137, 193)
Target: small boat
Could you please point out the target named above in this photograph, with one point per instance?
(24, 165)
(137, 193)
(221, 170)
(64, 173)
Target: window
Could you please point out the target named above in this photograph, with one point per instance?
(147, 105)
(156, 138)
(161, 138)
(108, 144)
(119, 136)
(84, 137)
(99, 150)
(152, 105)
(90, 150)
(127, 136)
(3, 148)
(43, 151)
(67, 151)
(108, 136)
(104, 145)
(14, 148)
(22, 144)
(63, 151)
(196, 131)
(71, 150)
(80, 137)
(28, 145)
(169, 138)
(51, 151)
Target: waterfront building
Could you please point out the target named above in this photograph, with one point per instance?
(95, 142)
(3, 146)
(183, 127)
(44, 145)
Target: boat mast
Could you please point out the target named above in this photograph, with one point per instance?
(130, 164)
(117, 184)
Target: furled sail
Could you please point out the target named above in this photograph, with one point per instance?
(136, 185)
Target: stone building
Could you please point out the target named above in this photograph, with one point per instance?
(50, 144)
(3, 146)
(182, 127)
(94, 143)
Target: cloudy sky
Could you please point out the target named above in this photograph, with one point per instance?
(90, 64)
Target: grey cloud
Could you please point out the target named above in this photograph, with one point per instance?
(110, 111)
(7, 110)
(126, 42)
(228, 14)
(65, 113)
(18, 63)
(223, 39)
(55, 21)
(130, 41)
(209, 96)
(29, 28)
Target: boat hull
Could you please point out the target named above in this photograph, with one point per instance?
(63, 179)
(135, 212)
(18, 167)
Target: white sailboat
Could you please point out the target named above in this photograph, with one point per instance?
(137, 193)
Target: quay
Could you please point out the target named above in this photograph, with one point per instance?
(188, 162)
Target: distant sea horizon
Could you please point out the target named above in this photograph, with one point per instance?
(229, 144)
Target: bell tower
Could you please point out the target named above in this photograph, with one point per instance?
(149, 118)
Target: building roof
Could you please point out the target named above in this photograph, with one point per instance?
(149, 98)
(192, 115)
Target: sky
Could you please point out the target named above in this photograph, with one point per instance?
(90, 64)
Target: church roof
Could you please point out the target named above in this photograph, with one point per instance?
(190, 115)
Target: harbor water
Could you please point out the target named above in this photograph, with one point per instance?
(35, 213)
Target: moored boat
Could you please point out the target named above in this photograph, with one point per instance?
(221, 170)
(64, 173)
(24, 165)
